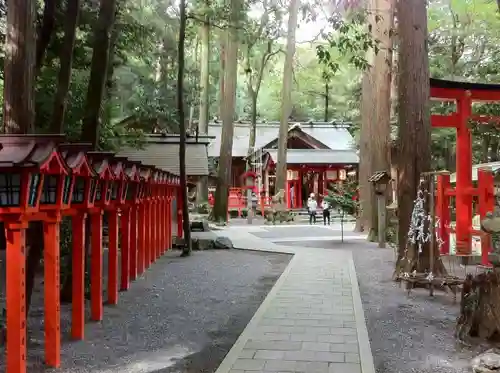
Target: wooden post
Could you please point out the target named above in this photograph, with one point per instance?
(133, 242)
(299, 191)
(113, 257)
(96, 308)
(51, 257)
(78, 277)
(432, 230)
(163, 225)
(16, 296)
(382, 219)
(154, 231)
(147, 233)
(486, 193)
(464, 178)
(443, 212)
(168, 208)
(141, 234)
(179, 213)
(288, 194)
(125, 223)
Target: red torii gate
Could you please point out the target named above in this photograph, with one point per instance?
(464, 94)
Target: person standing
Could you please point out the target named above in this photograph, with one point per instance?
(312, 206)
(326, 211)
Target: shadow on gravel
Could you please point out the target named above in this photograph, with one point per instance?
(222, 340)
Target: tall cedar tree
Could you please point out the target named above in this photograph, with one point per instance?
(182, 128)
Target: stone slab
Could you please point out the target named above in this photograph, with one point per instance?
(311, 321)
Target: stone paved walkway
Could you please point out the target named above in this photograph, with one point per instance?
(312, 320)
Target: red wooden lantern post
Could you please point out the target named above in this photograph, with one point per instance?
(153, 254)
(25, 162)
(118, 195)
(145, 174)
(161, 213)
(180, 206)
(100, 163)
(130, 214)
(82, 199)
(168, 208)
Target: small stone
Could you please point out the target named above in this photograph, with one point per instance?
(486, 362)
(223, 243)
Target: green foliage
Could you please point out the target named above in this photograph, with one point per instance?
(350, 38)
(344, 198)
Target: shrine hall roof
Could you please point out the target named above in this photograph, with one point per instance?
(332, 135)
(316, 156)
(163, 152)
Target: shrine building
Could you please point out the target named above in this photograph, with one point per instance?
(319, 153)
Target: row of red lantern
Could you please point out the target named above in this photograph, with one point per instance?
(42, 179)
(41, 174)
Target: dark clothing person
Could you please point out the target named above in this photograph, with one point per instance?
(326, 212)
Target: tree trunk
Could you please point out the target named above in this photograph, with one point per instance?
(494, 143)
(222, 71)
(66, 61)
(414, 125)
(286, 96)
(186, 250)
(251, 147)
(98, 72)
(202, 186)
(45, 30)
(230, 80)
(19, 68)
(367, 202)
(380, 123)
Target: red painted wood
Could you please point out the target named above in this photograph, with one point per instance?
(16, 299)
(133, 242)
(113, 258)
(96, 262)
(449, 121)
(486, 189)
(52, 303)
(147, 233)
(141, 238)
(179, 213)
(125, 223)
(464, 178)
(443, 212)
(78, 277)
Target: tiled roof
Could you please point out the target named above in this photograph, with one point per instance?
(333, 136)
(165, 155)
(316, 156)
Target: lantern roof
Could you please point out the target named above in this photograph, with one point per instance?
(146, 171)
(118, 166)
(100, 164)
(75, 156)
(39, 151)
(132, 170)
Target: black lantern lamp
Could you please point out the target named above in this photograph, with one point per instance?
(102, 188)
(132, 171)
(121, 184)
(83, 175)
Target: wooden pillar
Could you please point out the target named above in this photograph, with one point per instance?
(161, 209)
(78, 277)
(125, 223)
(154, 231)
(113, 257)
(96, 308)
(169, 219)
(266, 183)
(287, 195)
(443, 212)
(299, 194)
(158, 226)
(16, 296)
(464, 178)
(486, 189)
(133, 242)
(147, 234)
(141, 238)
(52, 303)
(179, 212)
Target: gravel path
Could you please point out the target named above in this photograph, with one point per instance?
(183, 316)
(407, 335)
